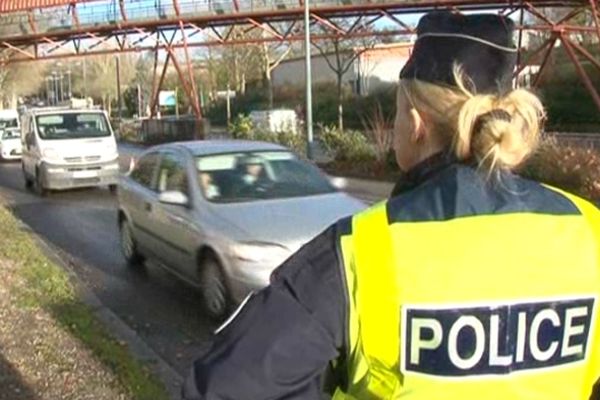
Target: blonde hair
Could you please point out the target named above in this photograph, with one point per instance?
(498, 131)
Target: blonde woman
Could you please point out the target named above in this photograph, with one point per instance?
(468, 283)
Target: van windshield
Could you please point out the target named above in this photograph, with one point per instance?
(72, 126)
(8, 123)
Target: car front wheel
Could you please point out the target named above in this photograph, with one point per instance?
(128, 246)
(215, 294)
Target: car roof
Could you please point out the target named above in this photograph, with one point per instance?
(208, 147)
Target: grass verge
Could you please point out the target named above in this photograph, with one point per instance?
(49, 287)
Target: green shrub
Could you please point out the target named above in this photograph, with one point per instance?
(568, 103)
(243, 128)
(349, 145)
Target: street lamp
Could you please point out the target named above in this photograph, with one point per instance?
(309, 123)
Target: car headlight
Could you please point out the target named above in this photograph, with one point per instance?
(259, 252)
(50, 153)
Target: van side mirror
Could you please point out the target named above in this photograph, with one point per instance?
(29, 139)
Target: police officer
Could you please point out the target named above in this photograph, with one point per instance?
(468, 283)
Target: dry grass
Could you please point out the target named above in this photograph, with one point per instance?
(380, 128)
(51, 345)
(569, 167)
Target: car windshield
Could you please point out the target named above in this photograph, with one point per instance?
(248, 176)
(10, 135)
(72, 126)
(8, 123)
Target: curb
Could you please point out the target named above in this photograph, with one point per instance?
(170, 378)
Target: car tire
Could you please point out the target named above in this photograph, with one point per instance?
(128, 246)
(216, 297)
(39, 185)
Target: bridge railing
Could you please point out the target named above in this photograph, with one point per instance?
(51, 20)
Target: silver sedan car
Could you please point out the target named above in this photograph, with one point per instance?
(223, 214)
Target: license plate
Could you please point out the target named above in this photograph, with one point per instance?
(85, 174)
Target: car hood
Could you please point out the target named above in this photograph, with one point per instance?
(288, 222)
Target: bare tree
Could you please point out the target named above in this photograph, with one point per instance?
(340, 54)
(21, 79)
(242, 60)
(102, 76)
(271, 55)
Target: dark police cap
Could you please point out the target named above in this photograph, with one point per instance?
(482, 44)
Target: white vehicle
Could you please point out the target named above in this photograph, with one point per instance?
(10, 141)
(66, 148)
(275, 120)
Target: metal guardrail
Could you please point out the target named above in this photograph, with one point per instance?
(591, 140)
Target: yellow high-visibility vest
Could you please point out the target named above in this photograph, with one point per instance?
(482, 307)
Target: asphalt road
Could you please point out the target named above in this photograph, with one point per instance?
(81, 224)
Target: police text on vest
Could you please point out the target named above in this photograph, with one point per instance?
(496, 339)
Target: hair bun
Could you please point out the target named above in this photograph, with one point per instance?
(497, 114)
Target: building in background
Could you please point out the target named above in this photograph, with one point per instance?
(372, 68)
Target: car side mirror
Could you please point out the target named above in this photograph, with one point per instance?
(338, 182)
(174, 198)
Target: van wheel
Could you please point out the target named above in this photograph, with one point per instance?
(39, 185)
(215, 293)
(28, 183)
(28, 180)
(128, 246)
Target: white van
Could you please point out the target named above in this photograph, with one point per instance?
(10, 135)
(66, 148)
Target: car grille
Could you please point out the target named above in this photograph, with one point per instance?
(73, 159)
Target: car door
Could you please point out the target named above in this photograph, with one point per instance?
(139, 197)
(175, 225)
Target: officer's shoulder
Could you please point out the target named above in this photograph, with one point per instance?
(462, 191)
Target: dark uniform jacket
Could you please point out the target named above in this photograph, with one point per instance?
(282, 342)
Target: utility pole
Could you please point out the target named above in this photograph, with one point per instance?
(139, 100)
(228, 106)
(309, 123)
(119, 100)
(69, 81)
(176, 103)
(84, 79)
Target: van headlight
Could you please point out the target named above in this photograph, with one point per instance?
(50, 154)
(259, 252)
